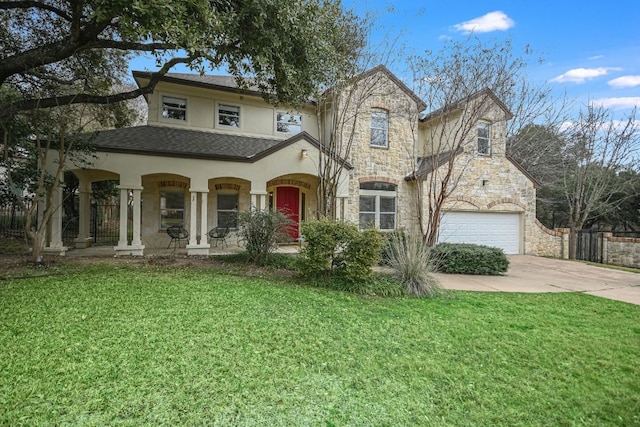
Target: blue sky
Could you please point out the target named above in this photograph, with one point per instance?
(591, 49)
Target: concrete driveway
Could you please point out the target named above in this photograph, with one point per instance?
(535, 274)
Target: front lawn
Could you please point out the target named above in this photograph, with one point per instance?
(145, 345)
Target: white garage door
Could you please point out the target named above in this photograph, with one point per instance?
(500, 230)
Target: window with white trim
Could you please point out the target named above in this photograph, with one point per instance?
(228, 210)
(171, 208)
(379, 128)
(229, 115)
(378, 205)
(288, 123)
(484, 138)
(174, 108)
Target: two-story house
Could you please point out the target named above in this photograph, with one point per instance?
(210, 150)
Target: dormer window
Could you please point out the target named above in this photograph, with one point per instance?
(288, 123)
(379, 128)
(484, 138)
(174, 108)
(229, 115)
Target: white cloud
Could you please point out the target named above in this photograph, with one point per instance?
(625, 81)
(618, 103)
(492, 21)
(580, 75)
(593, 58)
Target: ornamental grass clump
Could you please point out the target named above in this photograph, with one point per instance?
(413, 265)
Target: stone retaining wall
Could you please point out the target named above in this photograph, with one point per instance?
(547, 242)
(623, 251)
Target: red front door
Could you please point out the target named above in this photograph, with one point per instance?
(288, 202)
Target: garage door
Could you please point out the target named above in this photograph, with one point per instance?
(500, 230)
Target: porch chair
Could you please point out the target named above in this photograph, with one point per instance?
(177, 233)
(219, 234)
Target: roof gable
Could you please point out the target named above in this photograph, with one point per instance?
(459, 105)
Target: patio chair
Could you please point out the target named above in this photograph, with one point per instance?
(219, 234)
(177, 233)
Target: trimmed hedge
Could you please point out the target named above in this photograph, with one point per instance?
(465, 258)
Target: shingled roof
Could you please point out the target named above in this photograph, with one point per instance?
(224, 83)
(192, 144)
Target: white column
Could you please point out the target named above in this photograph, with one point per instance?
(84, 236)
(56, 246)
(263, 201)
(254, 200)
(123, 241)
(204, 228)
(137, 207)
(198, 247)
(193, 224)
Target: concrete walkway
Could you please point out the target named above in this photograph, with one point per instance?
(535, 274)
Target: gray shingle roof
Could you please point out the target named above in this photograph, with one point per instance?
(426, 165)
(193, 144)
(173, 142)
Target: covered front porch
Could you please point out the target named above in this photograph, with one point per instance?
(155, 191)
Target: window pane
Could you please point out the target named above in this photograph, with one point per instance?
(367, 203)
(387, 204)
(174, 108)
(228, 219)
(227, 201)
(379, 124)
(289, 123)
(229, 115)
(171, 208)
(387, 221)
(374, 185)
(483, 146)
(172, 199)
(367, 220)
(379, 137)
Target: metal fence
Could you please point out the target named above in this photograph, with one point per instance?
(103, 223)
(13, 220)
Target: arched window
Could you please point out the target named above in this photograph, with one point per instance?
(378, 205)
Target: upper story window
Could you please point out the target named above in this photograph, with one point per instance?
(379, 128)
(229, 115)
(174, 108)
(288, 123)
(484, 138)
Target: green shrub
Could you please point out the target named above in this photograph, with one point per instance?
(464, 258)
(412, 262)
(338, 249)
(262, 230)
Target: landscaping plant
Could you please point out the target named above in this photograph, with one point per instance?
(339, 249)
(261, 231)
(412, 262)
(466, 258)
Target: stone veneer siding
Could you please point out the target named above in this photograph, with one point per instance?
(389, 164)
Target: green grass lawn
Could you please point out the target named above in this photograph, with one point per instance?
(144, 345)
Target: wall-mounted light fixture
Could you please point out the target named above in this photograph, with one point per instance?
(303, 154)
